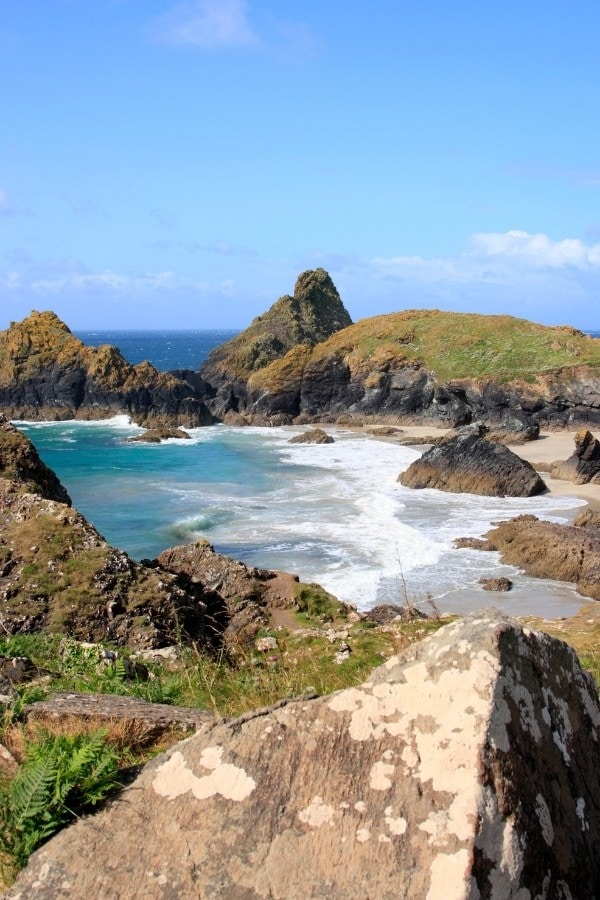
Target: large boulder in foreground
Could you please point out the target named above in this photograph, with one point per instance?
(548, 550)
(467, 767)
(470, 464)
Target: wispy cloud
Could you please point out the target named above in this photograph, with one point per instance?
(7, 207)
(213, 25)
(207, 24)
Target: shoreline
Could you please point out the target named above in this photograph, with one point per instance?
(551, 446)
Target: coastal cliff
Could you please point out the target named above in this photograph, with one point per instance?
(425, 365)
(47, 373)
(303, 361)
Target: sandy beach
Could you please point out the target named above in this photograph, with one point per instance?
(550, 447)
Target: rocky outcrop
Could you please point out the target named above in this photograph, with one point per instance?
(292, 325)
(312, 436)
(587, 518)
(548, 550)
(47, 373)
(467, 767)
(496, 584)
(583, 466)
(58, 573)
(470, 464)
(21, 464)
(157, 435)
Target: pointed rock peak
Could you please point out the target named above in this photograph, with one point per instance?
(46, 319)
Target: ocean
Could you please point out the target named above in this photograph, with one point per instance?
(334, 513)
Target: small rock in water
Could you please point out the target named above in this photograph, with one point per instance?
(496, 584)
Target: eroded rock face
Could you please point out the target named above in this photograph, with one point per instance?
(313, 436)
(47, 373)
(583, 466)
(20, 462)
(467, 767)
(548, 550)
(470, 464)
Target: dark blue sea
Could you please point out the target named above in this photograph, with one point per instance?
(166, 350)
(332, 513)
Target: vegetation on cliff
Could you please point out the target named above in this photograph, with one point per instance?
(308, 318)
(47, 373)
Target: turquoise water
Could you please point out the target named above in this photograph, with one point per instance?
(333, 513)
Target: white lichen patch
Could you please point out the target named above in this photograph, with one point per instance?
(317, 813)
(384, 839)
(543, 814)
(580, 810)
(436, 826)
(449, 876)
(500, 842)
(380, 777)
(174, 778)
(396, 824)
(556, 713)
(363, 835)
(360, 806)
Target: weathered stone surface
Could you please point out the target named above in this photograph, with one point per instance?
(467, 767)
(548, 550)
(583, 465)
(313, 436)
(390, 612)
(496, 584)
(156, 435)
(470, 464)
(20, 462)
(47, 373)
(101, 709)
(58, 574)
(587, 518)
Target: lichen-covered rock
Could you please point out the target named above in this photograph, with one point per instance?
(471, 464)
(467, 767)
(548, 550)
(313, 436)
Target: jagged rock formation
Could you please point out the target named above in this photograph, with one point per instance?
(292, 325)
(471, 464)
(248, 594)
(583, 466)
(466, 767)
(58, 573)
(447, 368)
(548, 550)
(47, 373)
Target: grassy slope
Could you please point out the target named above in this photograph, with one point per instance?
(463, 345)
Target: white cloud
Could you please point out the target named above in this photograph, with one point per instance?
(208, 24)
(537, 250)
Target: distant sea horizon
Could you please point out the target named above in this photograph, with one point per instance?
(169, 348)
(166, 349)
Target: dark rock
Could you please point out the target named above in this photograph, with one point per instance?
(496, 584)
(156, 435)
(385, 613)
(314, 436)
(466, 767)
(547, 550)
(20, 462)
(583, 465)
(470, 464)
(47, 373)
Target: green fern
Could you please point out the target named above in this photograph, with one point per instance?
(62, 776)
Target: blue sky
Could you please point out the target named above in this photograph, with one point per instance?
(177, 164)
